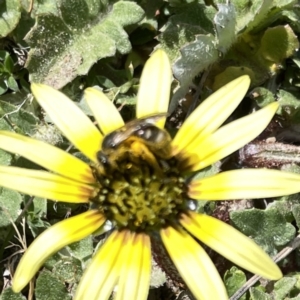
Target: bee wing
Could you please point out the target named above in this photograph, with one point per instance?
(151, 119)
(116, 137)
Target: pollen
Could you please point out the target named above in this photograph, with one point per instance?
(139, 190)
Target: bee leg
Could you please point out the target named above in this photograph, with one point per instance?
(106, 162)
(139, 149)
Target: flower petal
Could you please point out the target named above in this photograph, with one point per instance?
(104, 111)
(194, 265)
(137, 267)
(70, 119)
(227, 139)
(246, 183)
(39, 152)
(52, 240)
(45, 184)
(154, 91)
(105, 268)
(211, 114)
(232, 244)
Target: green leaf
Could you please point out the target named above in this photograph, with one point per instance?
(35, 215)
(105, 82)
(8, 294)
(229, 74)
(49, 287)
(257, 294)
(123, 99)
(181, 33)
(66, 46)
(234, 279)
(3, 87)
(278, 43)
(182, 28)
(284, 206)
(283, 287)
(83, 249)
(287, 99)
(2, 69)
(292, 17)
(9, 206)
(10, 14)
(10, 202)
(54, 259)
(225, 20)
(195, 57)
(5, 158)
(148, 26)
(3, 55)
(115, 76)
(40, 206)
(36, 225)
(178, 2)
(84, 106)
(48, 133)
(3, 124)
(204, 47)
(12, 84)
(8, 63)
(267, 227)
(68, 269)
(282, 3)
(251, 14)
(262, 96)
(296, 214)
(22, 120)
(208, 171)
(45, 7)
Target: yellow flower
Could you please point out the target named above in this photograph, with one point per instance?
(138, 181)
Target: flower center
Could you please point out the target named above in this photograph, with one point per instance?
(141, 188)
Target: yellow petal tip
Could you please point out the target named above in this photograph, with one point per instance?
(242, 81)
(159, 53)
(275, 273)
(273, 106)
(19, 284)
(35, 85)
(40, 89)
(91, 90)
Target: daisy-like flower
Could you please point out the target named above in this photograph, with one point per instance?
(137, 179)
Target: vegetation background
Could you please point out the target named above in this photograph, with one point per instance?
(74, 44)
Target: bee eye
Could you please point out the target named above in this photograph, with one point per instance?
(145, 134)
(159, 135)
(102, 158)
(108, 142)
(152, 134)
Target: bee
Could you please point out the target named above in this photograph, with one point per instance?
(140, 135)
